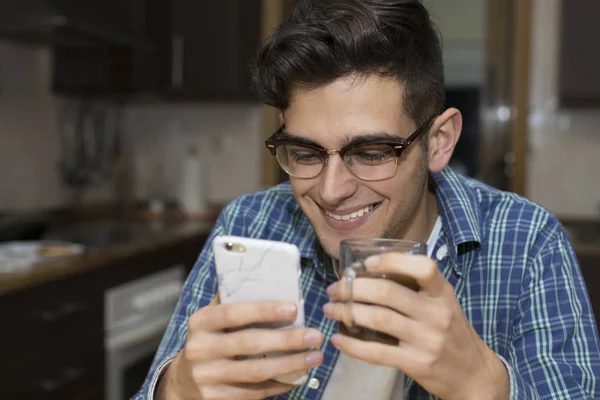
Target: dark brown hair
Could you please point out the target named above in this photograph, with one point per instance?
(322, 40)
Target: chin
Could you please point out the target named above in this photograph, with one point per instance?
(330, 245)
(330, 239)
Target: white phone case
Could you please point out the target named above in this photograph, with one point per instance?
(250, 270)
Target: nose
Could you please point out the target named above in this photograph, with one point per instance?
(337, 183)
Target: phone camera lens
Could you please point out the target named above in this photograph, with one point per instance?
(229, 246)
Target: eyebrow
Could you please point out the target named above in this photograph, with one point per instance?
(378, 137)
(285, 135)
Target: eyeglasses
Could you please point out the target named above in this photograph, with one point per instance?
(369, 161)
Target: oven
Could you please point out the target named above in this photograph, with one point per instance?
(136, 316)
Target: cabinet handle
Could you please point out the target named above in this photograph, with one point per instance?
(177, 60)
(67, 376)
(62, 312)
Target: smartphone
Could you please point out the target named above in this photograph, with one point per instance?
(250, 270)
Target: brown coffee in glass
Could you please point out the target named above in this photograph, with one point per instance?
(350, 267)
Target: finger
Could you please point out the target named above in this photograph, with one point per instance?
(409, 359)
(421, 268)
(235, 315)
(380, 319)
(382, 292)
(249, 391)
(261, 341)
(206, 346)
(255, 370)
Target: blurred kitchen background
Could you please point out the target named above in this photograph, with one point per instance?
(126, 125)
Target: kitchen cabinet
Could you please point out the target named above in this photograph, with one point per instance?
(53, 334)
(197, 50)
(84, 66)
(204, 49)
(579, 60)
(90, 70)
(52, 341)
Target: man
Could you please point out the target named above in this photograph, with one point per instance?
(502, 311)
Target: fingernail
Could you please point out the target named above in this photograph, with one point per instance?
(312, 337)
(332, 289)
(286, 310)
(313, 358)
(372, 262)
(328, 308)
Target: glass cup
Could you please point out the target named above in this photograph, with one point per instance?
(353, 252)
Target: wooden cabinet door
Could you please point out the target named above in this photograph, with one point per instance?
(579, 80)
(92, 66)
(210, 47)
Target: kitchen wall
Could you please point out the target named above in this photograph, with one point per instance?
(228, 137)
(29, 145)
(157, 134)
(564, 156)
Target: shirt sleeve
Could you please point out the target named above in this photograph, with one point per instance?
(199, 289)
(555, 351)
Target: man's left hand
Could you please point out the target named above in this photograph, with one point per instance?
(437, 347)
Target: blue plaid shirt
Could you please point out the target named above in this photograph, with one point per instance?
(509, 260)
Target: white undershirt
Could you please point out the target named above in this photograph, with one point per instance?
(354, 379)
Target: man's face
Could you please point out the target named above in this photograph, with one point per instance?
(331, 116)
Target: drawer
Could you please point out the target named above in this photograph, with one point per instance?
(65, 374)
(44, 316)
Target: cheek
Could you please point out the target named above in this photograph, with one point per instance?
(388, 189)
(301, 187)
(399, 189)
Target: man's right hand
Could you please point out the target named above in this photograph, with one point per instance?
(207, 367)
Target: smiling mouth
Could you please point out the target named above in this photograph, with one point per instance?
(354, 214)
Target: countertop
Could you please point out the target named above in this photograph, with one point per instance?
(107, 240)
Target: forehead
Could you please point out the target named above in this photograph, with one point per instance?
(348, 106)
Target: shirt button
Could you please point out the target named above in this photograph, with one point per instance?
(314, 383)
(442, 252)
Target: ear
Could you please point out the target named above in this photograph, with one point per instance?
(281, 118)
(443, 137)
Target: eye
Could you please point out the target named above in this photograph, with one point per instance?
(370, 154)
(303, 155)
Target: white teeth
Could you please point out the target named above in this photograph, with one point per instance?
(352, 215)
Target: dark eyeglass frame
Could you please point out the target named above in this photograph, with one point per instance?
(398, 145)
